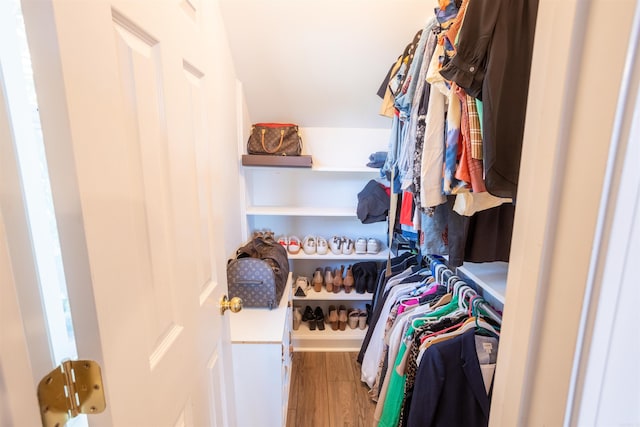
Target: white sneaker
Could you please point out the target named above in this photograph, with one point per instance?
(302, 286)
(284, 241)
(347, 246)
(373, 246)
(335, 244)
(293, 245)
(321, 245)
(309, 245)
(361, 245)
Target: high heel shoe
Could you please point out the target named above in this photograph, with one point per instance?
(317, 280)
(332, 316)
(297, 318)
(328, 279)
(310, 317)
(337, 279)
(342, 317)
(348, 280)
(319, 318)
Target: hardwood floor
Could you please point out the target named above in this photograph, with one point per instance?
(326, 392)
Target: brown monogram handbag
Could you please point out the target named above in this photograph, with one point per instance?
(279, 139)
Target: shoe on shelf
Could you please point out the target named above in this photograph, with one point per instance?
(309, 245)
(349, 280)
(347, 246)
(293, 245)
(302, 286)
(361, 245)
(319, 318)
(353, 318)
(321, 246)
(328, 279)
(284, 241)
(332, 317)
(335, 244)
(342, 317)
(297, 318)
(362, 319)
(373, 246)
(317, 280)
(310, 317)
(337, 279)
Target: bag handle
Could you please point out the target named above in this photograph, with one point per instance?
(279, 145)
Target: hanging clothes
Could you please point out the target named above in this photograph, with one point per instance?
(492, 63)
(430, 323)
(450, 387)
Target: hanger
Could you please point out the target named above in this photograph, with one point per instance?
(451, 281)
(470, 323)
(439, 271)
(447, 308)
(467, 292)
(481, 307)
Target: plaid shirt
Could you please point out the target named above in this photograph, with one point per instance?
(475, 131)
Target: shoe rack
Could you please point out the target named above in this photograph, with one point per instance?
(319, 201)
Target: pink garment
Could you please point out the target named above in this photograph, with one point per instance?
(414, 301)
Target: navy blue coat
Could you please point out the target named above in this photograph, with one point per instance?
(449, 390)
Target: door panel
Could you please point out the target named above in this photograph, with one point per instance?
(132, 170)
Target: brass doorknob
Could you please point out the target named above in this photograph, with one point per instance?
(234, 304)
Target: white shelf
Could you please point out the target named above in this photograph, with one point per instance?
(323, 295)
(382, 255)
(328, 333)
(322, 168)
(327, 340)
(349, 169)
(301, 211)
(490, 276)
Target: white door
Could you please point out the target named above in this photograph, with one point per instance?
(125, 90)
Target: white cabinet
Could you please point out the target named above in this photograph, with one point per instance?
(261, 350)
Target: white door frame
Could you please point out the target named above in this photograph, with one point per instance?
(605, 315)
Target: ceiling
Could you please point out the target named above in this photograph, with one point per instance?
(318, 63)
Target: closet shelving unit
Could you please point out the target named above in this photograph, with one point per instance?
(319, 201)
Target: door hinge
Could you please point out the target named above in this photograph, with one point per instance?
(74, 387)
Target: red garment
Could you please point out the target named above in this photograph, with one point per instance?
(406, 209)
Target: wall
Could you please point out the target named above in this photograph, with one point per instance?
(225, 132)
(318, 63)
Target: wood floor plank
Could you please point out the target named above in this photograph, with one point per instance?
(366, 407)
(343, 405)
(294, 390)
(291, 418)
(339, 367)
(326, 391)
(312, 399)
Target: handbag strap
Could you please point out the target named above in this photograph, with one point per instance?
(279, 145)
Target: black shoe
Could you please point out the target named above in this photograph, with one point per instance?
(319, 318)
(309, 316)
